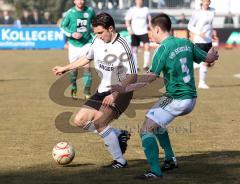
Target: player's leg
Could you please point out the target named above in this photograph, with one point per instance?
(156, 120)
(196, 65)
(146, 54)
(168, 112)
(87, 75)
(110, 137)
(162, 117)
(135, 42)
(91, 119)
(150, 147)
(202, 76)
(85, 116)
(98, 118)
(116, 140)
(203, 67)
(170, 161)
(73, 55)
(73, 79)
(87, 81)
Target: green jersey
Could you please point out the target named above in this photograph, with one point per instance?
(78, 21)
(175, 57)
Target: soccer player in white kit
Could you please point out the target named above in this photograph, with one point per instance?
(114, 63)
(201, 28)
(137, 20)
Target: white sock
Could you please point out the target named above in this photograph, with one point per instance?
(111, 141)
(146, 59)
(202, 73)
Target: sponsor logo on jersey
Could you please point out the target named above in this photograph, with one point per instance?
(106, 68)
(85, 15)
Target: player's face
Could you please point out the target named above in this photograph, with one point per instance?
(138, 3)
(103, 34)
(79, 3)
(154, 30)
(205, 4)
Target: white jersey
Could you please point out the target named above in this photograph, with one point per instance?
(202, 22)
(112, 61)
(139, 19)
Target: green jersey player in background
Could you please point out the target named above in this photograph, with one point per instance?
(174, 58)
(77, 27)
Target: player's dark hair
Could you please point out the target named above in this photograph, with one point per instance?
(103, 19)
(163, 21)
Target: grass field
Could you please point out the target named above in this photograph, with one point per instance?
(206, 142)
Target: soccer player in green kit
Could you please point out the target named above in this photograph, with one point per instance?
(76, 25)
(174, 57)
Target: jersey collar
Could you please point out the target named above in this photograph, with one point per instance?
(168, 38)
(115, 38)
(80, 10)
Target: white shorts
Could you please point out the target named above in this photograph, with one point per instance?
(166, 109)
(76, 52)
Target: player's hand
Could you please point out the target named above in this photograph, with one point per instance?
(109, 100)
(77, 35)
(212, 55)
(130, 31)
(58, 70)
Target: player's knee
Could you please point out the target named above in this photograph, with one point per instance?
(134, 49)
(86, 67)
(146, 47)
(80, 121)
(149, 126)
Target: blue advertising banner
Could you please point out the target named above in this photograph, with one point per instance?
(31, 38)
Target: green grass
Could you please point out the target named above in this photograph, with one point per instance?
(206, 142)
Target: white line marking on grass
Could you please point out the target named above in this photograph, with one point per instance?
(237, 75)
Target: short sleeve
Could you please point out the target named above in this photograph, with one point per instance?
(199, 55)
(130, 65)
(158, 61)
(90, 53)
(64, 26)
(93, 14)
(192, 24)
(148, 12)
(128, 15)
(129, 62)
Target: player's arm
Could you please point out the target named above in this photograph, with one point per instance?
(212, 56)
(143, 81)
(64, 26)
(68, 32)
(128, 22)
(59, 70)
(149, 18)
(156, 68)
(192, 24)
(201, 56)
(128, 25)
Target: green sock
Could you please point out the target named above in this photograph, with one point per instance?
(73, 79)
(164, 141)
(87, 81)
(151, 151)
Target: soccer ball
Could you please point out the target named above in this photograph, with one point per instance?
(63, 153)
